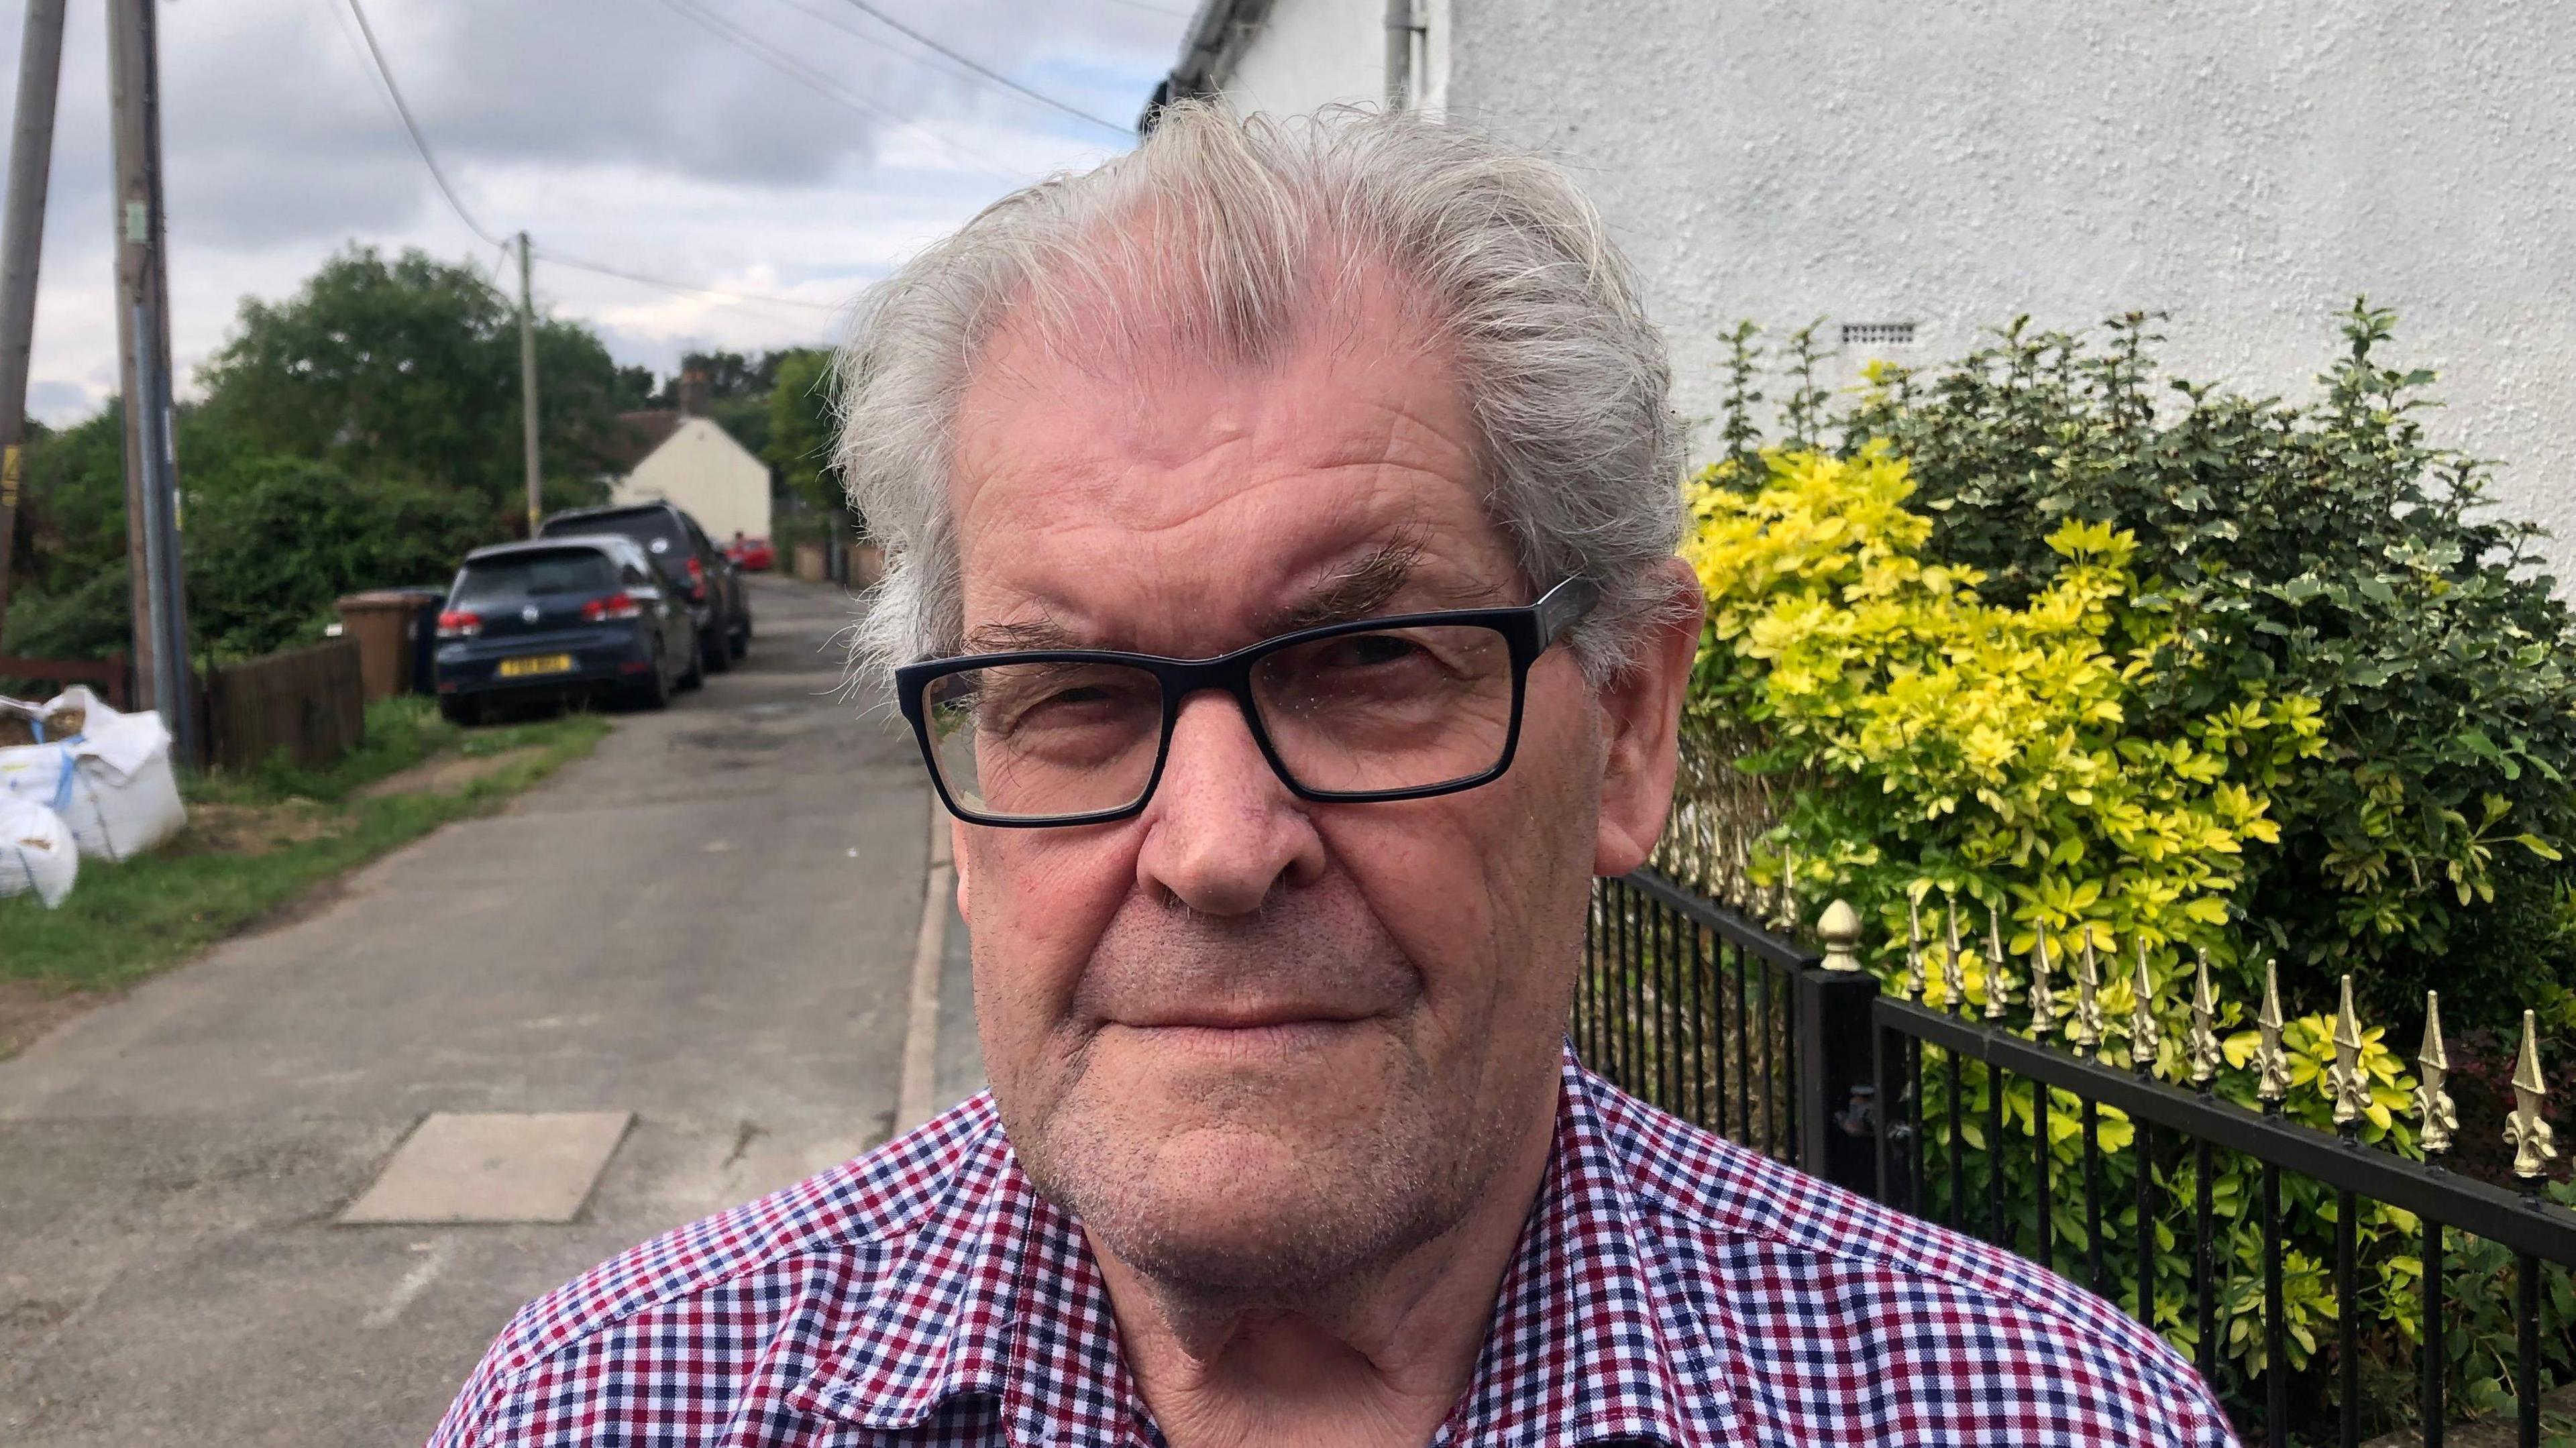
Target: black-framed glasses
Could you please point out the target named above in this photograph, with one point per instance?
(1403, 707)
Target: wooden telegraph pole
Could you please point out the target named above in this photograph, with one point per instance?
(528, 387)
(22, 240)
(143, 350)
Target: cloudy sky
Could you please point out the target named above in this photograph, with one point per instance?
(772, 148)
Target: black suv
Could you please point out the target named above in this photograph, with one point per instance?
(698, 570)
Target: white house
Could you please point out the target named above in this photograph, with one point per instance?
(691, 460)
(1918, 173)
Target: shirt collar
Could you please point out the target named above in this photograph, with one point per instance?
(995, 1293)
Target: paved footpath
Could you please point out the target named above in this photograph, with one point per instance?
(710, 924)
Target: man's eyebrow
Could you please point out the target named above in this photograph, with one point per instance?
(1004, 638)
(1355, 590)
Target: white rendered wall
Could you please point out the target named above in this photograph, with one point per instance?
(2247, 167)
(714, 478)
(1312, 53)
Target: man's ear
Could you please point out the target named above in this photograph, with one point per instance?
(957, 857)
(1641, 724)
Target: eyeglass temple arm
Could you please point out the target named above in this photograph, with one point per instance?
(1564, 607)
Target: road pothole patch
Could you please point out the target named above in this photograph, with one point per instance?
(489, 1166)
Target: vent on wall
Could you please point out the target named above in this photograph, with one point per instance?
(1878, 334)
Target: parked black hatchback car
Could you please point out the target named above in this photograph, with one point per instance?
(562, 617)
(695, 568)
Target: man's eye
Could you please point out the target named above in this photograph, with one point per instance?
(1060, 704)
(1071, 697)
(1368, 651)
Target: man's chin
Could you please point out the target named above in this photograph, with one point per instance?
(1220, 1182)
(1256, 1215)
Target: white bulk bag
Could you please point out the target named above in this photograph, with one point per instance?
(36, 852)
(111, 783)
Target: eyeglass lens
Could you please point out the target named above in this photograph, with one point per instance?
(1376, 712)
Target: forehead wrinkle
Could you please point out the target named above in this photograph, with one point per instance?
(1353, 590)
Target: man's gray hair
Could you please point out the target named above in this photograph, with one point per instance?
(1239, 226)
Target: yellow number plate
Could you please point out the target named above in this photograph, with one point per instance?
(536, 664)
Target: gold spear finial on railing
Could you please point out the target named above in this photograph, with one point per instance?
(2202, 1041)
(2088, 1002)
(1998, 987)
(2271, 1063)
(1912, 986)
(2043, 999)
(2351, 1089)
(2527, 1131)
(2432, 1065)
(1839, 929)
(2144, 1038)
(1954, 978)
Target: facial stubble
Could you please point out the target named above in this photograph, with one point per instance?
(1397, 1175)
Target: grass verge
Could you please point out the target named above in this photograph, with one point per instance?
(256, 842)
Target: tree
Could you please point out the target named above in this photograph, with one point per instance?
(279, 539)
(802, 428)
(728, 374)
(363, 432)
(409, 369)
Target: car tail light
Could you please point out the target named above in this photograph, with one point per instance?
(455, 625)
(615, 605)
(697, 581)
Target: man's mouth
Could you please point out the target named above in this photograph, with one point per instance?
(1246, 1034)
(1248, 1016)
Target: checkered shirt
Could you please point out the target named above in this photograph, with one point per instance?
(1669, 1288)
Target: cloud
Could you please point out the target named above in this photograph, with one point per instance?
(794, 147)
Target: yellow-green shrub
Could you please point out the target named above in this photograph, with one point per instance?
(1980, 751)
(1952, 752)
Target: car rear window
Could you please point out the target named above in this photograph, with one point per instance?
(534, 575)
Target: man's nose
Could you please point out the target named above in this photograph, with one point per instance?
(1223, 830)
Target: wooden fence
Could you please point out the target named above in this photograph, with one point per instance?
(105, 676)
(310, 703)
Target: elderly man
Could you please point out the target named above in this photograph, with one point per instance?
(1282, 525)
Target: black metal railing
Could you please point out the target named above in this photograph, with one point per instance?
(1956, 1118)
(1697, 1009)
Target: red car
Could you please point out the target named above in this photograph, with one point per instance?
(753, 555)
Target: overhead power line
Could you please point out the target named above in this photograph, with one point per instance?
(420, 143)
(821, 84)
(973, 71)
(411, 128)
(987, 72)
(770, 298)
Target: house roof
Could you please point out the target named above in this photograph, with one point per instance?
(1217, 28)
(634, 436)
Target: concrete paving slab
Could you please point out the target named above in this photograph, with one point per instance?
(494, 1166)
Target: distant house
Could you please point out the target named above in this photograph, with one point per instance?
(687, 457)
(1915, 174)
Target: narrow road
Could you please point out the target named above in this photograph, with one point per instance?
(709, 924)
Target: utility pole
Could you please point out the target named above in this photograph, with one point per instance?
(143, 347)
(22, 242)
(528, 387)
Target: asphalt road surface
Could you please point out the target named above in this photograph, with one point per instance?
(709, 924)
